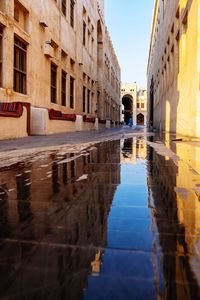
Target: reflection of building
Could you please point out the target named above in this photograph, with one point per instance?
(133, 149)
(141, 149)
(56, 54)
(173, 67)
(176, 213)
(55, 224)
(134, 103)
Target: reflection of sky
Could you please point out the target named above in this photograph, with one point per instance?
(127, 270)
(143, 242)
(133, 174)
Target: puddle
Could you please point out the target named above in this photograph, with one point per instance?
(119, 221)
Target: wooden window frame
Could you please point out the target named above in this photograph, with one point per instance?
(63, 88)
(72, 89)
(53, 83)
(84, 98)
(88, 101)
(72, 5)
(84, 33)
(20, 66)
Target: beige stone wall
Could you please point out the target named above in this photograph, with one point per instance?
(174, 68)
(14, 127)
(51, 39)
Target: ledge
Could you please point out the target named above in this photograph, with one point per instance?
(11, 109)
(88, 119)
(102, 121)
(58, 115)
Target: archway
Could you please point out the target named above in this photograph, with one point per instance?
(127, 101)
(140, 119)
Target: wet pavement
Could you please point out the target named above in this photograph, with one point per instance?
(116, 222)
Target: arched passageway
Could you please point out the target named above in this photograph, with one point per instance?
(140, 119)
(127, 101)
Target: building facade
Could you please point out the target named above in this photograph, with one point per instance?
(174, 67)
(141, 111)
(129, 102)
(134, 104)
(58, 68)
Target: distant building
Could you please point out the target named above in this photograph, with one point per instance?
(174, 68)
(58, 63)
(141, 107)
(134, 103)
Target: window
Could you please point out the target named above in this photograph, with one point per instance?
(20, 49)
(84, 92)
(72, 3)
(88, 102)
(138, 105)
(64, 6)
(21, 15)
(84, 33)
(72, 92)
(142, 105)
(16, 14)
(53, 82)
(63, 88)
(1, 55)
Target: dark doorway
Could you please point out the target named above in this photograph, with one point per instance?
(140, 119)
(127, 101)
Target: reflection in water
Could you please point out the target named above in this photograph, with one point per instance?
(4, 211)
(119, 222)
(24, 197)
(55, 180)
(175, 215)
(61, 223)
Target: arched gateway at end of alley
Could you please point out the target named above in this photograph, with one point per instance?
(127, 102)
(134, 103)
(129, 96)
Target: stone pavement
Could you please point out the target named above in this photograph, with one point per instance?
(68, 138)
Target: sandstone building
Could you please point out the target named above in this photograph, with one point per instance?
(134, 103)
(58, 68)
(174, 69)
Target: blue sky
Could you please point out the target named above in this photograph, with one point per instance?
(129, 25)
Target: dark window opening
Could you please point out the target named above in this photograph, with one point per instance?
(20, 50)
(53, 82)
(84, 33)
(72, 92)
(64, 7)
(72, 3)
(88, 102)
(63, 88)
(84, 92)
